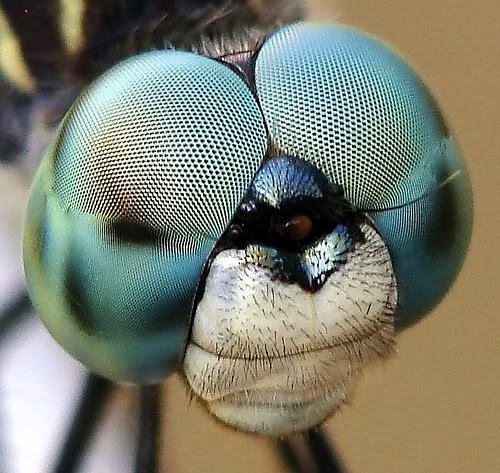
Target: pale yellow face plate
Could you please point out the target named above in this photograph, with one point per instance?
(267, 356)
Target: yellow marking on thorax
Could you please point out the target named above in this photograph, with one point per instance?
(12, 64)
(70, 24)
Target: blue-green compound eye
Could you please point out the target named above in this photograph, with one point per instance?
(141, 180)
(149, 165)
(349, 105)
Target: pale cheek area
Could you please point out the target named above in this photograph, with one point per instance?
(269, 357)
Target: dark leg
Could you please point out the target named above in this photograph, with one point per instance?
(94, 398)
(150, 430)
(323, 452)
(291, 456)
(14, 312)
(311, 453)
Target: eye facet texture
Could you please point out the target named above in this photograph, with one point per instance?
(151, 162)
(349, 105)
(141, 180)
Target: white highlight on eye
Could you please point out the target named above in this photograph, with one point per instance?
(269, 357)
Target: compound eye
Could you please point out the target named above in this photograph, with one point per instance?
(295, 228)
(143, 177)
(349, 105)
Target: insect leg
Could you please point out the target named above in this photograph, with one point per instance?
(94, 397)
(147, 459)
(311, 453)
(15, 311)
(323, 453)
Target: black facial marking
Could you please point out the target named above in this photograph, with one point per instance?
(247, 210)
(309, 208)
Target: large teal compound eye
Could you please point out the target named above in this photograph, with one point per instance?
(141, 180)
(352, 107)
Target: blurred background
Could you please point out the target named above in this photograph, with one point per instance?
(432, 408)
